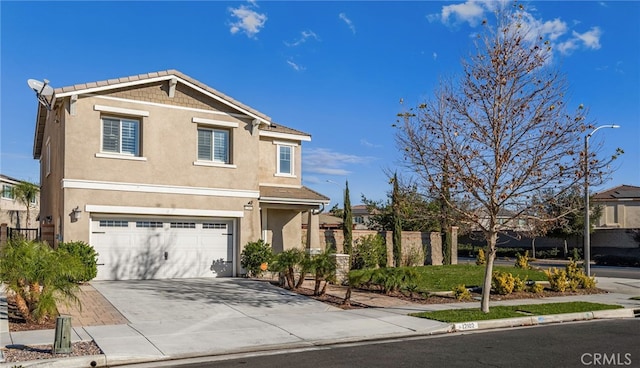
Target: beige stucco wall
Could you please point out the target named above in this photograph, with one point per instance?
(620, 214)
(268, 162)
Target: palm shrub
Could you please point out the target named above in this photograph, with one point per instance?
(87, 255)
(39, 277)
(323, 267)
(287, 263)
(254, 255)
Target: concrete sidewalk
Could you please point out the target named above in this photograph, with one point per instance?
(270, 319)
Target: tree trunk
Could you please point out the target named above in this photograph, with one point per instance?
(316, 288)
(23, 308)
(488, 273)
(533, 248)
(566, 250)
(301, 279)
(347, 297)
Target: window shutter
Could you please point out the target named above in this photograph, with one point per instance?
(111, 135)
(204, 144)
(129, 137)
(221, 146)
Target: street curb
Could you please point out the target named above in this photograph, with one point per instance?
(81, 361)
(104, 361)
(544, 319)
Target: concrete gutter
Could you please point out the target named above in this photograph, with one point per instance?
(105, 361)
(540, 320)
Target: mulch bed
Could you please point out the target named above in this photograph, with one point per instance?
(330, 299)
(22, 353)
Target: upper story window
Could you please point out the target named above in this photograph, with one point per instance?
(285, 160)
(7, 191)
(213, 145)
(121, 136)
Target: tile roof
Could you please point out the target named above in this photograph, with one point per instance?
(288, 194)
(620, 192)
(141, 78)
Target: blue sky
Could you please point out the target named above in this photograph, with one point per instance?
(336, 70)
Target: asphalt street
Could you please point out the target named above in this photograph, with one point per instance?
(578, 344)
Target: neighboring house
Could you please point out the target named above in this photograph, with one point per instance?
(361, 216)
(507, 221)
(325, 222)
(166, 177)
(13, 212)
(620, 207)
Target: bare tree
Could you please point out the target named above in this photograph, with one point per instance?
(497, 135)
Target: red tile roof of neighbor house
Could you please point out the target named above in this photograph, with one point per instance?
(626, 192)
(141, 79)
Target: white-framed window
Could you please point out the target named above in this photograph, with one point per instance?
(285, 160)
(121, 136)
(213, 145)
(7, 191)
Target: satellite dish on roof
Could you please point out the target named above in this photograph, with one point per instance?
(45, 93)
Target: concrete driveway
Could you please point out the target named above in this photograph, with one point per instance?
(194, 317)
(202, 299)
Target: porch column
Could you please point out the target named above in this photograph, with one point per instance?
(313, 233)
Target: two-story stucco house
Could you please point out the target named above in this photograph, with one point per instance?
(168, 178)
(12, 212)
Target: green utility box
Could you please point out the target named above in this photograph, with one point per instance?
(62, 340)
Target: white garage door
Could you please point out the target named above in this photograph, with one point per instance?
(158, 248)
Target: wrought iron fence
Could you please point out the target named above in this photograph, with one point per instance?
(23, 233)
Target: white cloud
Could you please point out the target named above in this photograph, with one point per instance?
(567, 47)
(248, 21)
(435, 55)
(304, 35)
(328, 162)
(348, 21)
(591, 38)
(553, 29)
(296, 67)
(470, 12)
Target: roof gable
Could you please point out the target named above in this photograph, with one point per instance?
(170, 87)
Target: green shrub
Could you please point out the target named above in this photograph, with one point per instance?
(558, 280)
(461, 292)
(503, 282)
(369, 252)
(254, 255)
(536, 288)
(522, 261)
(386, 279)
(480, 259)
(415, 257)
(87, 255)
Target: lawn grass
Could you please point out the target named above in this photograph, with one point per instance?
(475, 314)
(446, 277)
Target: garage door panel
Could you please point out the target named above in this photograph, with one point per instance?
(154, 248)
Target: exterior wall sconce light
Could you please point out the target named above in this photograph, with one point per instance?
(248, 206)
(76, 214)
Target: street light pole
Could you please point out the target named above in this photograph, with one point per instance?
(587, 226)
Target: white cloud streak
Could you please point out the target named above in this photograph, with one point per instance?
(247, 21)
(328, 162)
(296, 67)
(348, 21)
(304, 36)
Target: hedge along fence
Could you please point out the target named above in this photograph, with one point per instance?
(415, 245)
